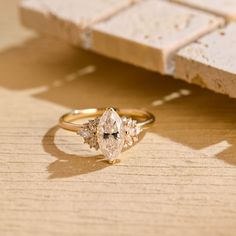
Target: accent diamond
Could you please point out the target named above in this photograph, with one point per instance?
(89, 133)
(131, 131)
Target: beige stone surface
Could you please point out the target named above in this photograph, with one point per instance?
(211, 61)
(225, 8)
(148, 33)
(68, 19)
(179, 180)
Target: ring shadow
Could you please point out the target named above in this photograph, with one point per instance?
(69, 165)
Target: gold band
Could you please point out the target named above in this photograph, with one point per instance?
(144, 119)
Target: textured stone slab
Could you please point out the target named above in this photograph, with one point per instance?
(226, 8)
(211, 61)
(148, 33)
(68, 19)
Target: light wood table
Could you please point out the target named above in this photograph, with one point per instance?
(179, 180)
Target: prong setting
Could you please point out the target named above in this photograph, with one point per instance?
(110, 133)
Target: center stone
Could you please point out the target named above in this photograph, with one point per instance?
(110, 134)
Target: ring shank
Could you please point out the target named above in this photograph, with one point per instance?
(144, 119)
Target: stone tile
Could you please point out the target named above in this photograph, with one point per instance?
(225, 8)
(150, 32)
(211, 61)
(68, 19)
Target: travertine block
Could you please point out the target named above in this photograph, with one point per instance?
(211, 61)
(68, 19)
(225, 8)
(149, 33)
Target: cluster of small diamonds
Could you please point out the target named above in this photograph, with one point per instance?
(89, 133)
(132, 131)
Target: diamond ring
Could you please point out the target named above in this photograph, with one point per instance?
(112, 130)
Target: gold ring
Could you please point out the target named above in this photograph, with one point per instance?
(112, 130)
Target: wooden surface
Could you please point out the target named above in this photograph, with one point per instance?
(180, 179)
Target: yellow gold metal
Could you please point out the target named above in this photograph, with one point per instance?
(144, 119)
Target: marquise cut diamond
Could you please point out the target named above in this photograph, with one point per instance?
(110, 134)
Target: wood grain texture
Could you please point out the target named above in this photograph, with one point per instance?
(180, 179)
